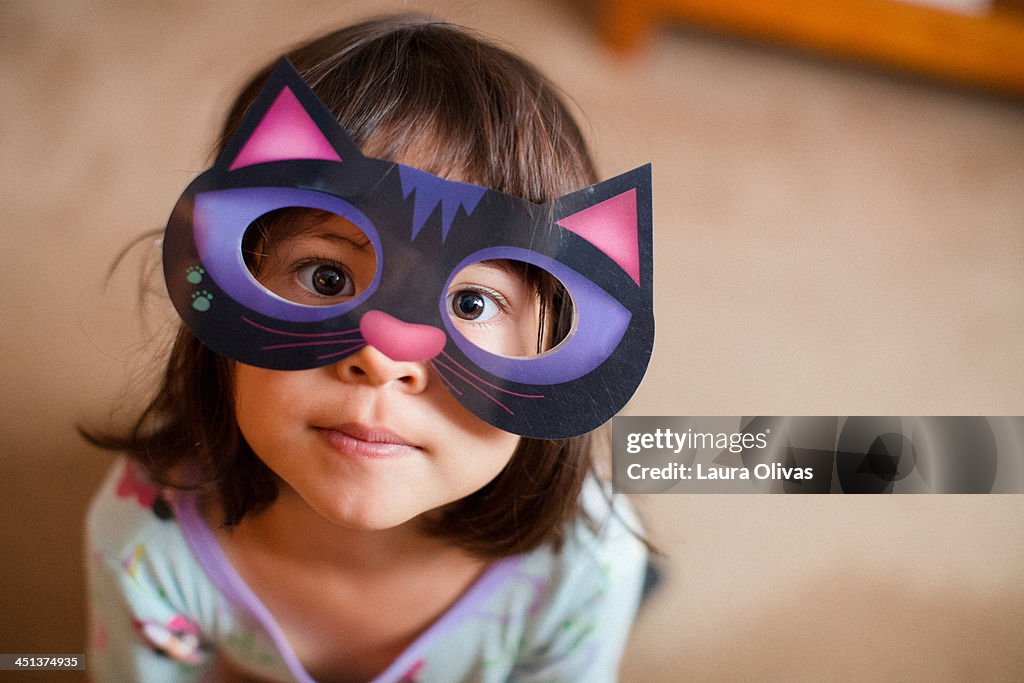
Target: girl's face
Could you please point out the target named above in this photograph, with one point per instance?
(371, 442)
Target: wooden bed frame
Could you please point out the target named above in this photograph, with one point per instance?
(982, 50)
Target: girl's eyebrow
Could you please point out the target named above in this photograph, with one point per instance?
(337, 229)
(499, 266)
(357, 239)
(502, 265)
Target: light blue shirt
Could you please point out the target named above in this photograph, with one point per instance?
(166, 603)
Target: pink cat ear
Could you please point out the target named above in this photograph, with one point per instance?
(285, 132)
(611, 226)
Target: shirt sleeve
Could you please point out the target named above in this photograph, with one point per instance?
(584, 629)
(135, 631)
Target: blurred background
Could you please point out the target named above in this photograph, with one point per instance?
(839, 230)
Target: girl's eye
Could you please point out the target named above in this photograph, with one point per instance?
(469, 304)
(326, 279)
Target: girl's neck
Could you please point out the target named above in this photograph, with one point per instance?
(291, 530)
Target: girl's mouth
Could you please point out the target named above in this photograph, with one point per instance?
(365, 442)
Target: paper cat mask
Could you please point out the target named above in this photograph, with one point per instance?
(423, 230)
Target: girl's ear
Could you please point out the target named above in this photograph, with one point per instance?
(615, 217)
(286, 122)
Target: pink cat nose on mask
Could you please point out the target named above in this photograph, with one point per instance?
(399, 340)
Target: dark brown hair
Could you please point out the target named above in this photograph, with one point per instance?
(400, 86)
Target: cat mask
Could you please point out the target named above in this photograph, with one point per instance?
(423, 230)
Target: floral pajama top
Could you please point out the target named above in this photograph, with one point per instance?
(165, 602)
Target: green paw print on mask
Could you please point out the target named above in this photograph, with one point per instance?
(201, 301)
(194, 274)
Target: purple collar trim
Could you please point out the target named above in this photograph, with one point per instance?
(219, 570)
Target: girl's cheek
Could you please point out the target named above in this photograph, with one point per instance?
(493, 337)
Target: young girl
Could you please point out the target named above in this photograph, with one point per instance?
(370, 458)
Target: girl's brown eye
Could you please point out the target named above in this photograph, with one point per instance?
(468, 304)
(326, 280)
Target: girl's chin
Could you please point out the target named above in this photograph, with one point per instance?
(372, 518)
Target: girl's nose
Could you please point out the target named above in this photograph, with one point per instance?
(395, 350)
(370, 366)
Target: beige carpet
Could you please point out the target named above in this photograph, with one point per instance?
(830, 240)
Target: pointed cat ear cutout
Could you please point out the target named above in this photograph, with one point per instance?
(287, 122)
(611, 227)
(615, 217)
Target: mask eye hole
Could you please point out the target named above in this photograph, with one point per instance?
(508, 307)
(309, 256)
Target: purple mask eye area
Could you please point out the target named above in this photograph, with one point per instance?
(221, 219)
(598, 325)
(309, 256)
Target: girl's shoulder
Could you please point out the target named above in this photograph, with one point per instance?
(146, 587)
(608, 529)
(601, 559)
(571, 609)
(129, 509)
(140, 557)
(133, 535)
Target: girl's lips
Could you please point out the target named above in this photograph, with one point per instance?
(365, 442)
